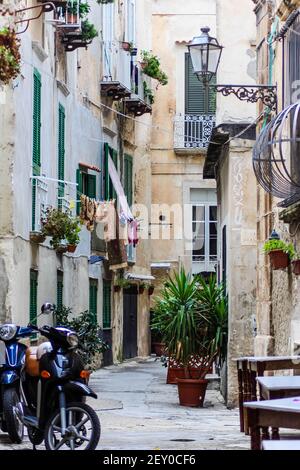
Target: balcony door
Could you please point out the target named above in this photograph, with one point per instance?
(200, 108)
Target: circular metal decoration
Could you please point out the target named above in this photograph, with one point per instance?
(276, 155)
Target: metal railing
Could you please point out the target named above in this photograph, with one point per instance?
(193, 131)
(69, 15)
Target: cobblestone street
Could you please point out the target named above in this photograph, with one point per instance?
(139, 411)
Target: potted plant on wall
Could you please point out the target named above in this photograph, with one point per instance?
(142, 287)
(121, 283)
(73, 230)
(61, 227)
(150, 65)
(280, 253)
(10, 57)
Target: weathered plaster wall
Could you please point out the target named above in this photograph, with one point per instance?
(235, 184)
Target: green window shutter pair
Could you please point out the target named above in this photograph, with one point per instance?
(128, 178)
(33, 296)
(36, 139)
(109, 191)
(199, 99)
(59, 292)
(106, 304)
(86, 184)
(93, 299)
(61, 153)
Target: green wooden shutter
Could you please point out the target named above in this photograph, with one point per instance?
(33, 296)
(91, 186)
(109, 192)
(105, 172)
(59, 292)
(106, 304)
(61, 153)
(199, 99)
(79, 189)
(93, 299)
(128, 177)
(36, 139)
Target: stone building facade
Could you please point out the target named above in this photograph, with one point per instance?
(69, 88)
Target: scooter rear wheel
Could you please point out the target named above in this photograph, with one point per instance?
(82, 431)
(14, 426)
(36, 436)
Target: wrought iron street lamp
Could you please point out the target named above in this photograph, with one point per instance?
(205, 52)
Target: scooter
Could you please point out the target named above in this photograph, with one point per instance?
(54, 391)
(12, 358)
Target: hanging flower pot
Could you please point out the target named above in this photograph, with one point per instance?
(117, 288)
(37, 237)
(72, 248)
(60, 249)
(296, 267)
(279, 259)
(150, 290)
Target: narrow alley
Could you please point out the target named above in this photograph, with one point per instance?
(138, 410)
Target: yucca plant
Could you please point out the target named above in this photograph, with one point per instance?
(175, 317)
(212, 308)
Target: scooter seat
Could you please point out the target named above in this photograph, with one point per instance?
(31, 362)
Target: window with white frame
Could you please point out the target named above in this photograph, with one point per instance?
(108, 40)
(130, 21)
(204, 230)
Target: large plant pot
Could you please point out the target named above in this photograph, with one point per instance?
(174, 373)
(296, 267)
(158, 348)
(279, 259)
(72, 248)
(192, 392)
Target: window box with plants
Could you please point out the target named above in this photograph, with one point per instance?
(121, 283)
(10, 57)
(280, 253)
(82, 39)
(150, 65)
(192, 318)
(62, 228)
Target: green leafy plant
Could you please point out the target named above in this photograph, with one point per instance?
(10, 57)
(212, 307)
(89, 332)
(60, 226)
(122, 282)
(84, 8)
(88, 30)
(288, 248)
(148, 93)
(151, 67)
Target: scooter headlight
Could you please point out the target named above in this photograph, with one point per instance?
(7, 332)
(72, 339)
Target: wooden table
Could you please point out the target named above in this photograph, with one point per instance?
(281, 445)
(282, 413)
(279, 387)
(249, 368)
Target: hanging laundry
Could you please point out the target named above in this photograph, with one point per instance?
(88, 209)
(116, 250)
(119, 189)
(133, 232)
(106, 215)
(123, 228)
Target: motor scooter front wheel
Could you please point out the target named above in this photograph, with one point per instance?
(13, 423)
(82, 429)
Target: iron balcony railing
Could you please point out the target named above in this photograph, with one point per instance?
(193, 131)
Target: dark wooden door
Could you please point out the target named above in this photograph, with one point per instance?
(130, 323)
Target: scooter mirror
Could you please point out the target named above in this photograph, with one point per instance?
(47, 308)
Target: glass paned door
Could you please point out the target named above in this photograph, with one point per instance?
(205, 236)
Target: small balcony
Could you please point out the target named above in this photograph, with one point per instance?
(192, 133)
(138, 104)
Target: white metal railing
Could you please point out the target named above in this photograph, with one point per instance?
(193, 131)
(47, 194)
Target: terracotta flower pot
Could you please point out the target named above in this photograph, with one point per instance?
(279, 259)
(37, 237)
(173, 374)
(117, 288)
(150, 290)
(141, 290)
(72, 248)
(158, 348)
(125, 46)
(191, 392)
(296, 267)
